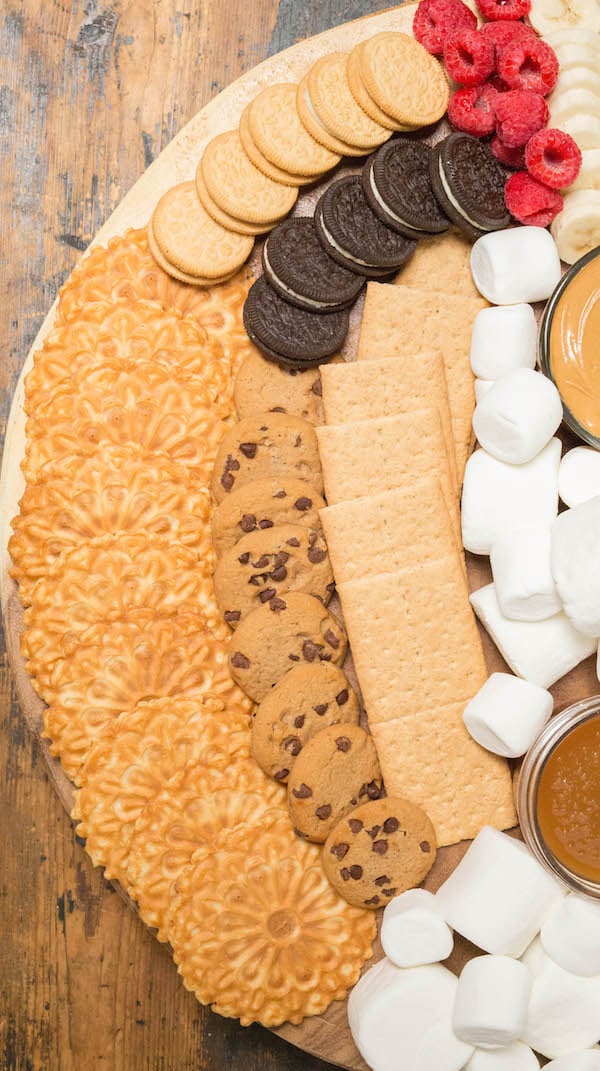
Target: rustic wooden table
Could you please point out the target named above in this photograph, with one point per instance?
(90, 92)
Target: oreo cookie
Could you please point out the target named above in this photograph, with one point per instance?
(354, 236)
(288, 335)
(299, 269)
(468, 182)
(397, 185)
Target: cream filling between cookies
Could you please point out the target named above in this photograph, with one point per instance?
(292, 293)
(386, 208)
(452, 199)
(343, 252)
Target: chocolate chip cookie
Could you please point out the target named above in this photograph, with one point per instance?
(263, 504)
(378, 851)
(335, 771)
(266, 444)
(270, 562)
(308, 699)
(263, 386)
(282, 633)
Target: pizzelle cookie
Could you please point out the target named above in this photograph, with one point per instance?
(378, 851)
(308, 699)
(267, 563)
(267, 444)
(263, 504)
(262, 386)
(191, 240)
(277, 130)
(313, 124)
(336, 770)
(238, 187)
(403, 79)
(337, 109)
(283, 632)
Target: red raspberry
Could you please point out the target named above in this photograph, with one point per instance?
(513, 158)
(553, 157)
(528, 63)
(504, 9)
(435, 20)
(529, 201)
(519, 114)
(469, 57)
(503, 31)
(472, 110)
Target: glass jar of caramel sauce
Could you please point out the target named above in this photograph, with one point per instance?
(558, 797)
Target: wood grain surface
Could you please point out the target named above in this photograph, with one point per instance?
(90, 92)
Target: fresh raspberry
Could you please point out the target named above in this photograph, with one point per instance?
(529, 201)
(472, 110)
(553, 157)
(528, 63)
(511, 10)
(519, 114)
(469, 57)
(435, 20)
(513, 158)
(498, 83)
(503, 31)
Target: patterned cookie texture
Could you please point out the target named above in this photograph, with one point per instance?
(268, 563)
(362, 97)
(315, 128)
(258, 932)
(277, 130)
(262, 386)
(287, 630)
(378, 851)
(308, 699)
(335, 771)
(238, 187)
(266, 444)
(191, 240)
(335, 106)
(262, 504)
(260, 161)
(202, 281)
(222, 217)
(403, 79)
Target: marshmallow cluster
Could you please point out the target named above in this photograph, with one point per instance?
(528, 994)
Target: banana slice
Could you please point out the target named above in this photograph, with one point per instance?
(576, 78)
(584, 129)
(586, 56)
(573, 35)
(548, 15)
(580, 102)
(589, 174)
(576, 229)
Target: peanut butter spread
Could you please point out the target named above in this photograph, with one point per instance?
(575, 346)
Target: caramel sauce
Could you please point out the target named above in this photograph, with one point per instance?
(575, 346)
(568, 800)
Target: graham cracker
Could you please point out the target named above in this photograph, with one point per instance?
(370, 456)
(414, 639)
(429, 758)
(387, 532)
(399, 321)
(358, 391)
(442, 262)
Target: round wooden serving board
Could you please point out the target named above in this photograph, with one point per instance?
(326, 1036)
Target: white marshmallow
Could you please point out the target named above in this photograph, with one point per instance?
(564, 1009)
(585, 1060)
(539, 651)
(413, 931)
(498, 497)
(499, 895)
(515, 265)
(518, 416)
(482, 386)
(574, 558)
(507, 713)
(504, 337)
(578, 475)
(403, 1018)
(525, 587)
(491, 1002)
(571, 936)
(517, 1057)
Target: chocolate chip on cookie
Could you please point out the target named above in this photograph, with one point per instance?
(267, 444)
(270, 562)
(263, 386)
(286, 631)
(378, 851)
(336, 770)
(308, 699)
(263, 504)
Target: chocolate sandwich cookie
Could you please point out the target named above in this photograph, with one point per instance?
(468, 183)
(289, 335)
(397, 185)
(299, 269)
(354, 236)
